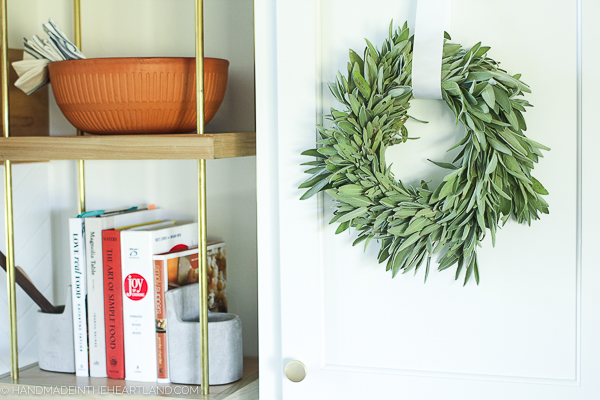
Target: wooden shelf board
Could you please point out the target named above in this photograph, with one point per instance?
(129, 147)
(244, 389)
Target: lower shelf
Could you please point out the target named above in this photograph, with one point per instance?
(33, 381)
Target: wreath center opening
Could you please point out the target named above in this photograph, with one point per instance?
(409, 161)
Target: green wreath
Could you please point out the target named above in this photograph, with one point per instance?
(491, 178)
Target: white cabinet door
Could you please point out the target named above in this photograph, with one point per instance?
(530, 329)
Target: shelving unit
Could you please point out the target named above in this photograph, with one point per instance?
(199, 146)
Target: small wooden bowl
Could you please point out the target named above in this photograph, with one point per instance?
(136, 95)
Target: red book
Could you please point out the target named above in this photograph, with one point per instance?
(113, 304)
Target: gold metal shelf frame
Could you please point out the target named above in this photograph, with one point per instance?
(10, 255)
(80, 163)
(202, 222)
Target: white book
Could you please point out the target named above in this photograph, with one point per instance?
(95, 279)
(139, 319)
(78, 283)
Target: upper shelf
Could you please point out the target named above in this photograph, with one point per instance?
(29, 139)
(129, 147)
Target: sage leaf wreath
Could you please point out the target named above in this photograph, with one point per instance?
(489, 180)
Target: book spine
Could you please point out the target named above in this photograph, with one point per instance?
(138, 307)
(113, 304)
(78, 282)
(95, 282)
(95, 287)
(160, 286)
(139, 317)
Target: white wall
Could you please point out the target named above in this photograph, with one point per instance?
(163, 28)
(33, 252)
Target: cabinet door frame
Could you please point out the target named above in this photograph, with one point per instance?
(267, 187)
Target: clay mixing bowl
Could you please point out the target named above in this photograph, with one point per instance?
(136, 95)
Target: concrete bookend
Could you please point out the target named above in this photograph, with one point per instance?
(183, 332)
(56, 346)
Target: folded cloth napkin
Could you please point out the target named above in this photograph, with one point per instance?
(33, 70)
(38, 48)
(60, 41)
(33, 74)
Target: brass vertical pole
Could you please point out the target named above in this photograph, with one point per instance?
(80, 163)
(77, 22)
(10, 249)
(202, 198)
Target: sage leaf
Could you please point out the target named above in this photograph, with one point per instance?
(443, 164)
(537, 187)
(492, 165)
(353, 214)
(499, 146)
(315, 189)
(362, 84)
(488, 96)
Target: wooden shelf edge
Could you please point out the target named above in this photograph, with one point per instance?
(129, 147)
(33, 381)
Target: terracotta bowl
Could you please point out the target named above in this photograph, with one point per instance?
(136, 95)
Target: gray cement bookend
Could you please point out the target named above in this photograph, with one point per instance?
(56, 349)
(183, 332)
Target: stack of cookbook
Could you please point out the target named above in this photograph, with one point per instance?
(122, 262)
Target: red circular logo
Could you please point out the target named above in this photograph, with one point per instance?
(135, 287)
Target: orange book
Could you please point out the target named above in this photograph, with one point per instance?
(160, 286)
